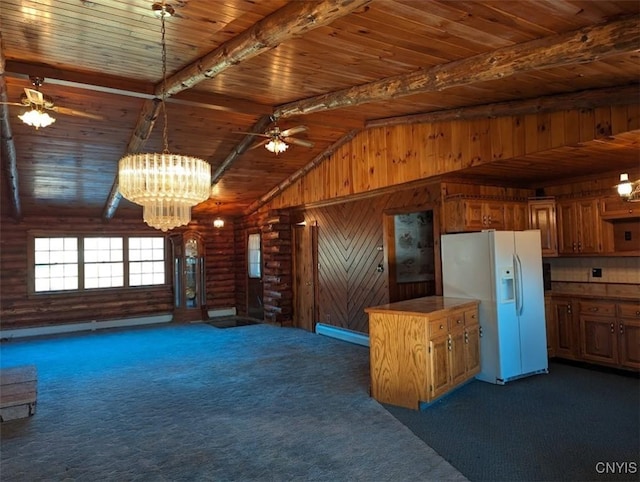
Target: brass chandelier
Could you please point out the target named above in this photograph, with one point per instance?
(166, 185)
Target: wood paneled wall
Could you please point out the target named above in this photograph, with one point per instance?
(349, 235)
(385, 156)
(19, 309)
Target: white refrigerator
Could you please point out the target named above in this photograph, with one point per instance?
(502, 269)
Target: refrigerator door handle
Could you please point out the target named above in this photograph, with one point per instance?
(517, 265)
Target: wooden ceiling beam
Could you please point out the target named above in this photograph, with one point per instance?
(301, 172)
(8, 149)
(130, 88)
(588, 99)
(580, 46)
(259, 126)
(82, 80)
(146, 121)
(292, 20)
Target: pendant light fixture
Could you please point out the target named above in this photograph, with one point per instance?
(218, 222)
(166, 185)
(627, 190)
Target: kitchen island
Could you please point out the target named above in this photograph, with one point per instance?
(423, 348)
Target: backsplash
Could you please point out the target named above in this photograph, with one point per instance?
(614, 270)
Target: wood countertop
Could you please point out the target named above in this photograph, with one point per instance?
(422, 306)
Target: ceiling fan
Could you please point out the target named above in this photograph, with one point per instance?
(278, 141)
(39, 103)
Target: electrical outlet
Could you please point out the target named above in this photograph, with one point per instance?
(596, 272)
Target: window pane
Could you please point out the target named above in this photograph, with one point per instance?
(41, 257)
(253, 258)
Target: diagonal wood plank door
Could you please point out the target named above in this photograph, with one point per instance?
(349, 239)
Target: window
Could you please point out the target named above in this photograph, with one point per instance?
(146, 261)
(67, 263)
(103, 263)
(254, 258)
(56, 264)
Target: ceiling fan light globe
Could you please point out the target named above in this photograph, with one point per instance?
(276, 146)
(36, 118)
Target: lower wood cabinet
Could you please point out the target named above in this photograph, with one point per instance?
(566, 343)
(605, 332)
(417, 357)
(629, 335)
(598, 332)
(454, 353)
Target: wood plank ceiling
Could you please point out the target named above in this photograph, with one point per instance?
(332, 65)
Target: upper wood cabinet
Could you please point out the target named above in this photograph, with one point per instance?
(515, 216)
(579, 227)
(542, 216)
(614, 207)
(463, 214)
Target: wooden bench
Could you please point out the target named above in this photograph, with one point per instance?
(18, 390)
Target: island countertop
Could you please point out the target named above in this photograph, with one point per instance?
(421, 306)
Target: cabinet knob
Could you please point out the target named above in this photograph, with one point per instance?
(458, 321)
(637, 313)
(621, 329)
(593, 308)
(442, 327)
(613, 328)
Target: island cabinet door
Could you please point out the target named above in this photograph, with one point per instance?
(439, 363)
(456, 357)
(472, 349)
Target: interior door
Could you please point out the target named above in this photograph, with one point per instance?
(255, 293)
(305, 254)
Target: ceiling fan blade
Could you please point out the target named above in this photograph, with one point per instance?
(77, 113)
(298, 142)
(12, 103)
(251, 133)
(261, 143)
(293, 130)
(34, 96)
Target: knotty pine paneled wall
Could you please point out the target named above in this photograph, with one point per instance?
(385, 156)
(19, 309)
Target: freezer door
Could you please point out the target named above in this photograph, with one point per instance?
(466, 266)
(533, 335)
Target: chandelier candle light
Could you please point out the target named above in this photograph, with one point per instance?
(166, 185)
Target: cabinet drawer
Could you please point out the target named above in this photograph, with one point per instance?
(456, 320)
(438, 327)
(471, 317)
(629, 310)
(597, 308)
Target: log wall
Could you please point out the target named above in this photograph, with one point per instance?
(19, 309)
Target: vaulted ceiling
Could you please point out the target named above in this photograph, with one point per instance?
(233, 66)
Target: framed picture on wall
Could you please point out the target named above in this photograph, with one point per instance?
(414, 247)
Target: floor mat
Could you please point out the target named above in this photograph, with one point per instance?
(233, 321)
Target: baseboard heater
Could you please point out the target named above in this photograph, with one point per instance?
(94, 325)
(342, 334)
